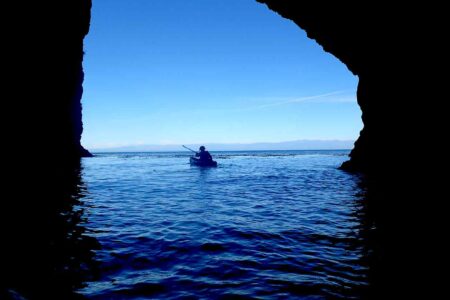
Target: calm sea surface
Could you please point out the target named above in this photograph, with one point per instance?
(263, 225)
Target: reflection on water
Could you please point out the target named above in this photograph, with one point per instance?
(139, 226)
(49, 253)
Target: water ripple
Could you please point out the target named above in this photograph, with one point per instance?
(261, 225)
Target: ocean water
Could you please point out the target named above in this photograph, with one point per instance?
(262, 225)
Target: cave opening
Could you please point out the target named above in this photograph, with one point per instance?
(47, 99)
(162, 74)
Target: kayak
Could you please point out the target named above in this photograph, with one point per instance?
(196, 162)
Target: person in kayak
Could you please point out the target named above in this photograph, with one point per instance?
(203, 155)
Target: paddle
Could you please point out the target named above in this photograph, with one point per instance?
(189, 148)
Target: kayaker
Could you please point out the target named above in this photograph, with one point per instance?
(203, 154)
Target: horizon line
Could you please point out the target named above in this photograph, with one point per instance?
(235, 144)
(157, 151)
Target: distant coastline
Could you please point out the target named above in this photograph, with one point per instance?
(288, 145)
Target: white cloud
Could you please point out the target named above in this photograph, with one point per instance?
(332, 97)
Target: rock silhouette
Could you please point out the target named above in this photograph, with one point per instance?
(377, 42)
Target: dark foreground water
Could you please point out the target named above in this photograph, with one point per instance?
(264, 225)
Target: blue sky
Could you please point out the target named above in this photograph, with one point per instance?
(202, 71)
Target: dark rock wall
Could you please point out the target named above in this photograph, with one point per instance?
(69, 73)
(46, 76)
